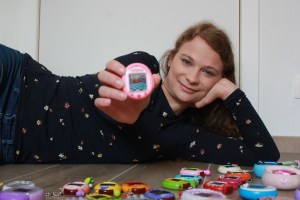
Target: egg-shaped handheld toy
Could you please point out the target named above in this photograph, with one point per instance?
(244, 175)
(194, 171)
(282, 177)
(109, 188)
(223, 169)
(201, 194)
(260, 167)
(160, 194)
(98, 197)
(138, 81)
(256, 191)
(176, 184)
(135, 187)
(194, 180)
(18, 184)
(219, 186)
(77, 188)
(235, 181)
(23, 193)
(297, 194)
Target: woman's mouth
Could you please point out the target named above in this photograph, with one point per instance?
(187, 89)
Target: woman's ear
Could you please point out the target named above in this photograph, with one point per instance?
(169, 63)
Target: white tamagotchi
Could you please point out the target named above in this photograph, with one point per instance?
(14, 184)
(138, 81)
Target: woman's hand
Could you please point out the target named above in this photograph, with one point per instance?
(113, 100)
(221, 90)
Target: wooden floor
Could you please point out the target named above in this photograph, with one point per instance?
(52, 177)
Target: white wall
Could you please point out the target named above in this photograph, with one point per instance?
(78, 38)
(279, 62)
(270, 48)
(249, 50)
(19, 25)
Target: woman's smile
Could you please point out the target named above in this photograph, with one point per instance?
(187, 89)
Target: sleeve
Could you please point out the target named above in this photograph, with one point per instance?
(141, 57)
(255, 135)
(10, 62)
(255, 144)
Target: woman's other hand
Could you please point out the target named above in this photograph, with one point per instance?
(221, 90)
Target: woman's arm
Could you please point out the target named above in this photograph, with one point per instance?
(254, 132)
(255, 144)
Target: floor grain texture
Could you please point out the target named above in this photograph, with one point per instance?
(52, 177)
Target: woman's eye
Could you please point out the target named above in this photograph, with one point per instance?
(209, 72)
(187, 62)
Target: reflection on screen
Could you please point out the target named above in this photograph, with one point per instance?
(229, 166)
(159, 192)
(217, 183)
(76, 184)
(25, 190)
(256, 186)
(137, 82)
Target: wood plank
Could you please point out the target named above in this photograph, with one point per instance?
(12, 172)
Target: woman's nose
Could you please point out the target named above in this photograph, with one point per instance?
(192, 77)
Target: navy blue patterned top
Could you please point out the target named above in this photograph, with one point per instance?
(58, 123)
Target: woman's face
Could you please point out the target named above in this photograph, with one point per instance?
(193, 71)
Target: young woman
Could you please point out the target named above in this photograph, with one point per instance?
(195, 112)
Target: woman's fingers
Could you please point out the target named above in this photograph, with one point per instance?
(108, 78)
(115, 67)
(203, 102)
(112, 75)
(102, 102)
(221, 90)
(111, 93)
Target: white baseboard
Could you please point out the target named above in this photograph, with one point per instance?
(287, 144)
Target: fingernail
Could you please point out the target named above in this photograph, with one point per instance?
(122, 70)
(122, 95)
(106, 101)
(119, 83)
